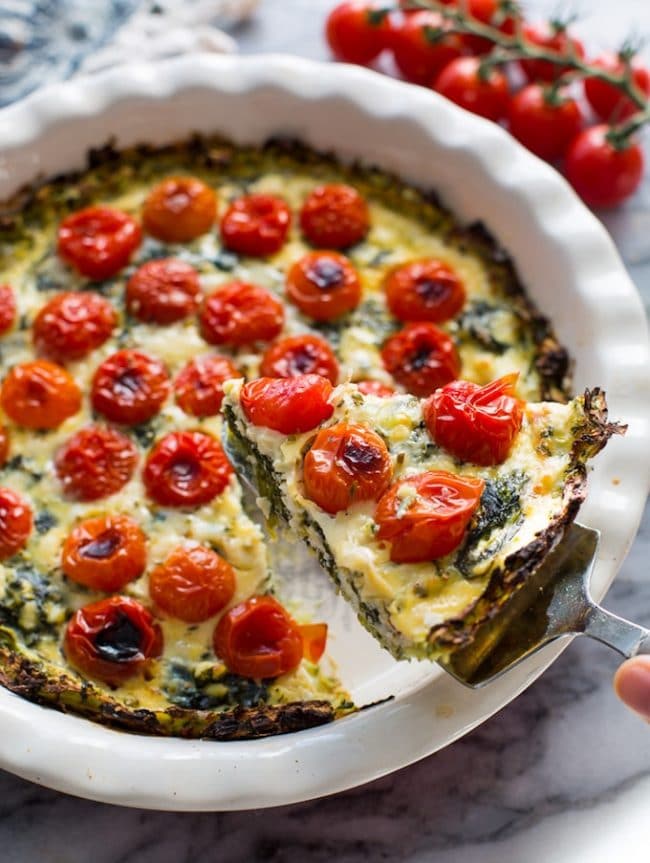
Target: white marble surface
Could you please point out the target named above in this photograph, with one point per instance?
(560, 776)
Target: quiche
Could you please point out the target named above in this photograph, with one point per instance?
(134, 581)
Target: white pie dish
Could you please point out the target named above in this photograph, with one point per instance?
(567, 263)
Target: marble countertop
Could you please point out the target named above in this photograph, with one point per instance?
(562, 774)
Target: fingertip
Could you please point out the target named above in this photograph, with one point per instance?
(632, 684)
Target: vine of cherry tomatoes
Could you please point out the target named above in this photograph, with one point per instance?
(596, 148)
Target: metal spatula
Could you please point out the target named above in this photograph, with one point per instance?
(554, 603)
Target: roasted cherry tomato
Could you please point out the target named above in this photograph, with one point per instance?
(486, 12)
(556, 39)
(421, 357)
(112, 640)
(73, 324)
(314, 640)
(375, 388)
(425, 290)
(287, 405)
(424, 517)
(602, 173)
(95, 463)
(346, 464)
(256, 225)
(7, 308)
(324, 285)
(163, 291)
(98, 241)
(104, 553)
(482, 91)
(179, 209)
(334, 217)
(608, 101)
(4, 446)
(186, 468)
(424, 45)
(545, 122)
(199, 386)
(15, 523)
(39, 395)
(192, 584)
(258, 639)
(239, 313)
(473, 423)
(129, 387)
(300, 355)
(358, 31)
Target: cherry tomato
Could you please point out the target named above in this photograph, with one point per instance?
(423, 46)
(186, 468)
(16, 523)
(300, 355)
(314, 640)
(39, 395)
(239, 313)
(334, 217)
(163, 291)
(287, 405)
(7, 308)
(600, 172)
(129, 387)
(425, 290)
(421, 357)
(104, 553)
(608, 101)
(258, 639)
(256, 225)
(179, 209)
(198, 387)
(464, 82)
(545, 125)
(424, 517)
(552, 38)
(324, 285)
(486, 12)
(346, 464)
(375, 388)
(473, 423)
(73, 324)
(95, 463)
(98, 241)
(357, 31)
(193, 584)
(4, 446)
(112, 640)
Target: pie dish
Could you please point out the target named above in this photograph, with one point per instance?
(128, 104)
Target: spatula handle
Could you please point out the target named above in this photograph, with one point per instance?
(628, 638)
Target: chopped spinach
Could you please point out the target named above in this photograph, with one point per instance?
(191, 690)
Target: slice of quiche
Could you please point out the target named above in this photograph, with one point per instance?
(428, 515)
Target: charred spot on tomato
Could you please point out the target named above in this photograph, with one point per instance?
(361, 455)
(102, 546)
(325, 273)
(120, 640)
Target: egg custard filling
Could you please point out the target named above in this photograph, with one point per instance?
(134, 583)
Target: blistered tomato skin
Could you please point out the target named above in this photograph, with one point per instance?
(104, 553)
(186, 468)
(346, 464)
(323, 285)
(192, 584)
(300, 355)
(476, 424)
(314, 640)
(421, 358)
(39, 395)
(179, 209)
(239, 313)
(129, 387)
(424, 517)
(112, 640)
(7, 308)
(256, 225)
(199, 385)
(163, 291)
(424, 290)
(335, 216)
(16, 523)
(98, 241)
(288, 405)
(95, 463)
(258, 639)
(72, 325)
